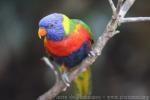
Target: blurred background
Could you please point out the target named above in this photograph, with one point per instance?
(123, 69)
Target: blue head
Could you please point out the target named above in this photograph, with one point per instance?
(51, 26)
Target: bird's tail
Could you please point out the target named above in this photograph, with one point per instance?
(83, 83)
(81, 86)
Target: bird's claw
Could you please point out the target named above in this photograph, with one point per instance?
(92, 54)
(66, 80)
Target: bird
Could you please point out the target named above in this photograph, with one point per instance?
(68, 42)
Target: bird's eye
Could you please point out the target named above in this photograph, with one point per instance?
(55, 22)
(51, 25)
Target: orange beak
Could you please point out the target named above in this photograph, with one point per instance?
(41, 32)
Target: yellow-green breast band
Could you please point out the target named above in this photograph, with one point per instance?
(66, 25)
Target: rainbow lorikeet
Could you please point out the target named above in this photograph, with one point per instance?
(68, 42)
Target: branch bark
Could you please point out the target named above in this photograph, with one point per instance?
(134, 19)
(110, 31)
(112, 6)
(125, 7)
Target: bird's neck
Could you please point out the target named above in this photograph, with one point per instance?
(69, 27)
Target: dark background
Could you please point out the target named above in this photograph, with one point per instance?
(123, 69)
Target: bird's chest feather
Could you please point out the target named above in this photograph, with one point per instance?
(68, 45)
(75, 57)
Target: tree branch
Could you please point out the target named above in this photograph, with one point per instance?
(125, 7)
(119, 4)
(112, 6)
(109, 32)
(53, 68)
(134, 19)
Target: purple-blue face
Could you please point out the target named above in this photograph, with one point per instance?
(53, 26)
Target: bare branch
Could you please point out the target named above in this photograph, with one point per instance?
(119, 4)
(112, 6)
(134, 19)
(48, 63)
(125, 7)
(54, 91)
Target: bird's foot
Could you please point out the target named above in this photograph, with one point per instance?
(66, 80)
(93, 53)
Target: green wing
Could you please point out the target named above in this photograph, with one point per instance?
(77, 21)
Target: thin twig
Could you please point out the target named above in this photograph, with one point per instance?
(112, 6)
(134, 19)
(48, 63)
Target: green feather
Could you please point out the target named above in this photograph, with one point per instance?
(79, 87)
(70, 25)
(83, 83)
(78, 21)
